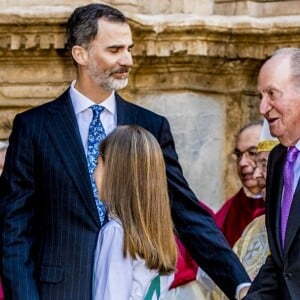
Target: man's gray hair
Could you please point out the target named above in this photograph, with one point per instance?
(294, 56)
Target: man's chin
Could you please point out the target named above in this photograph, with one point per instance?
(252, 187)
(119, 84)
(275, 130)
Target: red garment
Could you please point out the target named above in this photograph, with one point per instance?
(186, 266)
(1, 292)
(236, 213)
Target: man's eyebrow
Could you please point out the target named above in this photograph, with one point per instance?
(119, 46)
(262, 159)
(252, 148)
(249, 148)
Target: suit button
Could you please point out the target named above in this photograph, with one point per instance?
(288, 276)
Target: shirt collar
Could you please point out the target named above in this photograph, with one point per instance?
(81, 102)
(298, 145)
(251, 195)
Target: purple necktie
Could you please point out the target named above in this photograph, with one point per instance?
(288, 175)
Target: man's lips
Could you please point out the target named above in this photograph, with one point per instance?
(121, 71)
(271, 120)
(121, 75)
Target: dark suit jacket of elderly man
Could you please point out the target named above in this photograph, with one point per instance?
(48, 214)
(279, 277)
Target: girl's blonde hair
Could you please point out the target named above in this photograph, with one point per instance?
(134, 188)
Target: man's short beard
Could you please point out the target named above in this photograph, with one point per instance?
(105, 80)
(112, 84)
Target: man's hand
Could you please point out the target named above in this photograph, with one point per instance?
(243, 292)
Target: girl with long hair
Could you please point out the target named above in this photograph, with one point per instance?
(136, 252)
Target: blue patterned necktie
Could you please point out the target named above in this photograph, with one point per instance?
(95, 136)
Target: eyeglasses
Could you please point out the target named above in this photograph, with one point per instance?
(250, 153)
(262, 164)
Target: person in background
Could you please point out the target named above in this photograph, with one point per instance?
(6, 129)
(279, 88)
(238, 211)
(5, 126)
(49, 208)
(136, 251)
(3, 149)
(252, 247)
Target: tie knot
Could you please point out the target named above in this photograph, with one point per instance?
(97, 109)
(292, 154)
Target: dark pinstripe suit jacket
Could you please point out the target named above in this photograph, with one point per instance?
(49, 220)
(279, 277)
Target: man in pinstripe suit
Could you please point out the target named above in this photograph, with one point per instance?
(49, 220)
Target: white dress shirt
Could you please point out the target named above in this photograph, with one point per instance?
(84, 114)
(296, 168)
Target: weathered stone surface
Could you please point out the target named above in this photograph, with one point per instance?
(197, 121)
(203, 7)
(257, 8)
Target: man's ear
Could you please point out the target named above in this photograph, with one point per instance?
(80, 55)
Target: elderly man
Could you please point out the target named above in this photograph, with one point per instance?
(239, 210)
(279, 87)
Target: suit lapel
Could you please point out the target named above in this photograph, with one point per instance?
(274, 194)
(125, 115)
(63, 130)
(293, 220)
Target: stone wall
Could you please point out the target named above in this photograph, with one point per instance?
(257, 8)
(197, 68)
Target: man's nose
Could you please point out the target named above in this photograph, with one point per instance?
(246, 160)
(264, 106)
(126, 59)
(257, 173)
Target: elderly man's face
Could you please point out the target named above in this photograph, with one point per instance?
(245, 152)
(280, 100)
(260, 173)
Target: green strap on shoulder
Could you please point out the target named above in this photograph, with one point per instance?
(153, 288)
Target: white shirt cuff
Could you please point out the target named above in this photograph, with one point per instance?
(238, 289)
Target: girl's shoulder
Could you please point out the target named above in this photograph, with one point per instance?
(113, 224)
(113, 229)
